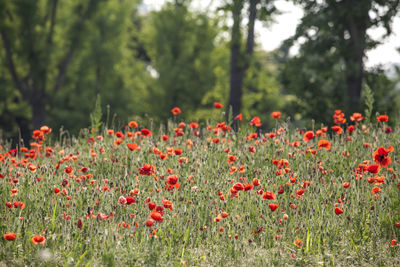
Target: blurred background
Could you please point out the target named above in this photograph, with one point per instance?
(304, 58)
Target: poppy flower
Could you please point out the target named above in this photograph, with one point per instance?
(155, 215)
(298, 243)
(218, 105)
(276, 114)
(273, 206)
(147, 169)
(256, 182)
(194, 125)
(172, 180)
(337, 129)
(269, 195)
(239, 117)
(338, 211)
(176, 111)
(10, 236)
(308, 136)
(324, 144)
(130, 200)
(356, 117)
(38, 239)
(133, 124)
(238, 186)
(132, 146)
(256, 121)
(381, 156)
(346, 185)
(376, 190)
(374, 168)
(45, 129)
(248, 187)
(350, 129)
(167, 204)
(149, 223)
(382, 118)
(146, 132)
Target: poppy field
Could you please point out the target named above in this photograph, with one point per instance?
(202, 194)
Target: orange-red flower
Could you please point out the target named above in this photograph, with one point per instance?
(45, 129)
(338, 211)
(308, 136)
(276, 114)
(239, 117)
(176, 111)
(10, 236)
(324, 144)
(133, 124)
(374, 168)
(38, 239)
(146, 132)
(273, 206)
(218, 105)
(356, 117)
(383, 118)
(381, 156)
(256, 121)
(147, 169)
(337, 129)
(298, 243)
(269, 195)
(132, 146)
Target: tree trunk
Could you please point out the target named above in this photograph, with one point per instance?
(38, 111)
(239, 64)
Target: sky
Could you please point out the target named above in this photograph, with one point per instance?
(271, 37)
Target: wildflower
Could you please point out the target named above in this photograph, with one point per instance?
(324, 144)
(276, 114)
(218, 105)
(298, 243)
(147, 169)
(381, 156)
(132, 146)
(356, 117)
(176, 111)
(133, 124)
(10, 236)
(374, 168)
(382, 118)
(337, 129)
(273, 206)
(146, 132)
(308, 136)
(38, 239)
(239, 117)
(256, 121)
(269, 195)
(338, 211)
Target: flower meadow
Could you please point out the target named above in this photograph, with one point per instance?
(203, 194)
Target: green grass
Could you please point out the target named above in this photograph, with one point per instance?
(189, 233)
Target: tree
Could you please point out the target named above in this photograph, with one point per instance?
(180, 45)
(338, 30)
(241, 60)
(28, 30)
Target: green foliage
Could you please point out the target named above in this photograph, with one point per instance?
(95, 116)
(369, 103)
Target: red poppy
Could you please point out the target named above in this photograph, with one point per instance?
(155, 215)
(308, 136)
(337, 129)
(381, 156)
(374, 168)
(178, 151)
(176, 111)
(346, 185)
(276, 114)
(194, 125)
(383, 118)
(167, 204)
(218, 105)
(10, 236)
(298, 243)
(132, 146)
(149, 223)
(269, 195)
(45, 129)
(147, 169)
(130, 200)
(133, 124)
(324, 144)
(356, 117)
(146, 132)
(239, 117)
(238, 187)
(256, 121)
(38, 239)
(256, 182)
(273, 206)
(350, 129)
(338, 211)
